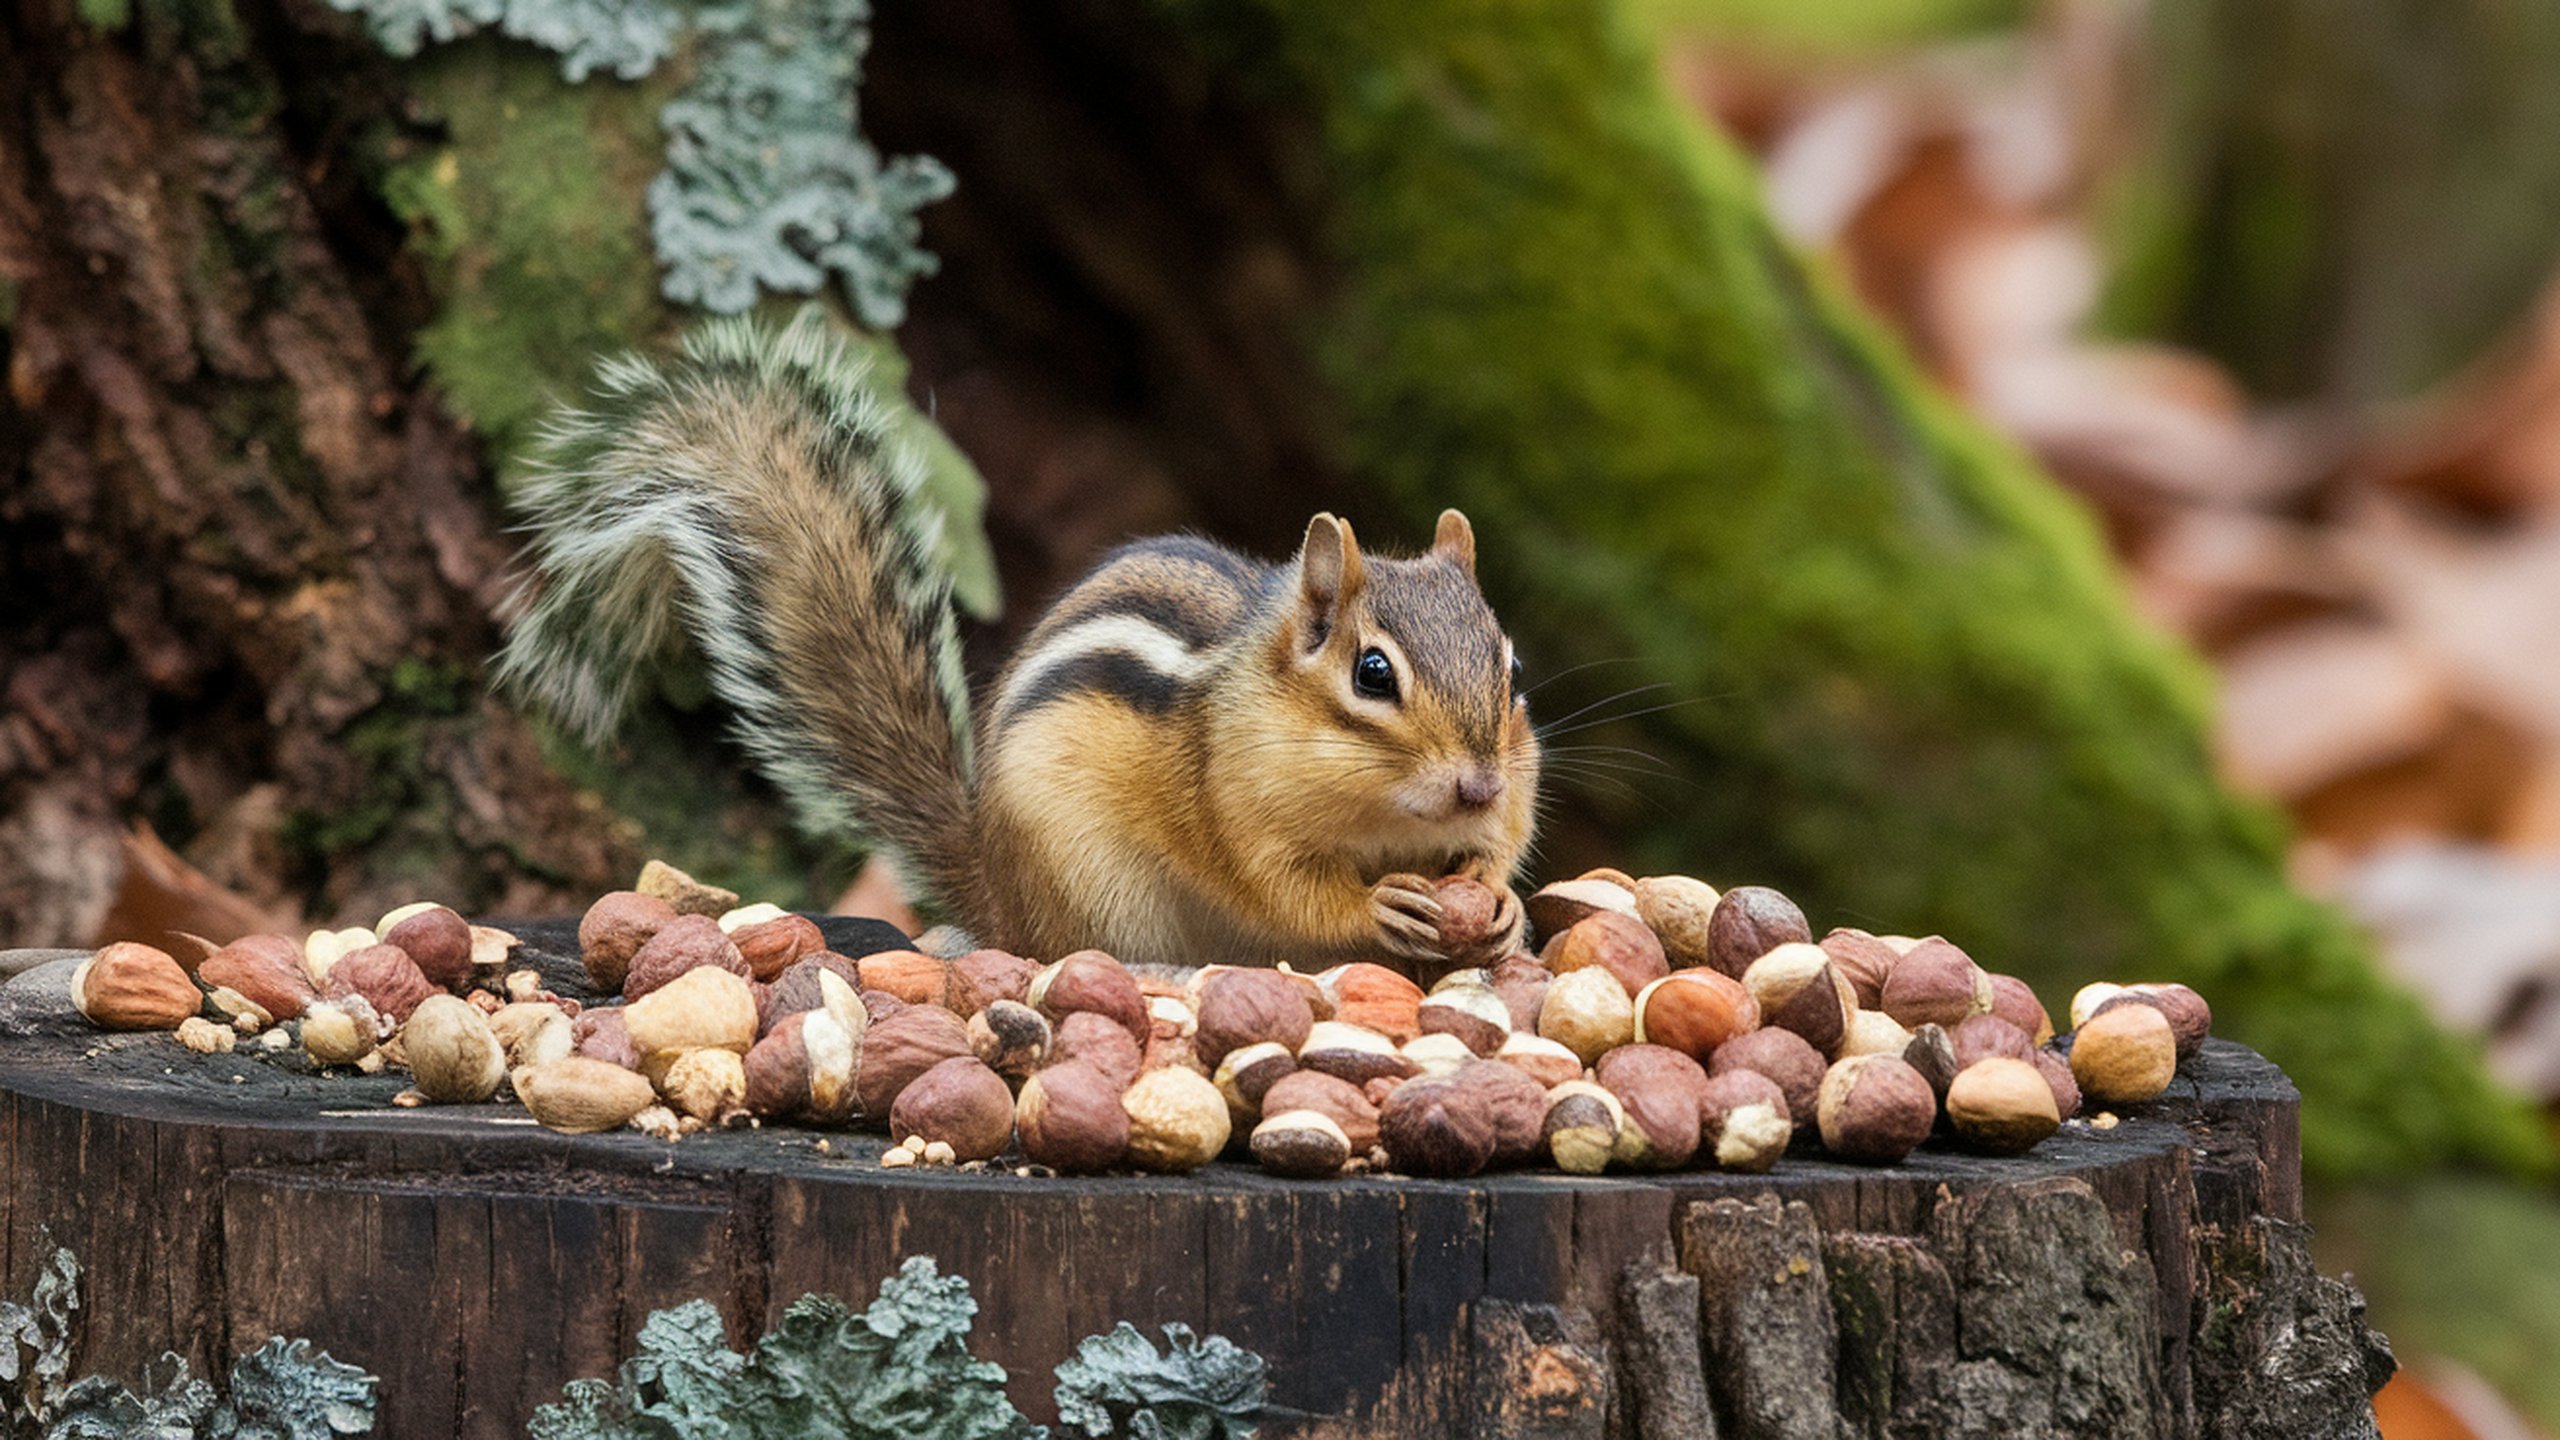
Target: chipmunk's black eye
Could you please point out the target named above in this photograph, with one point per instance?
(1374, 675)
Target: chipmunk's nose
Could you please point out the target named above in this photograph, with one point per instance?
(1479, 787)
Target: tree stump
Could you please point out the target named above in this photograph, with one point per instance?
(2145, 1279)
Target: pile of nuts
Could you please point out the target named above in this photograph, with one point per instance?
(1661, 1024)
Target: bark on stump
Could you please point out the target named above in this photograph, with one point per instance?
(2148, 1279)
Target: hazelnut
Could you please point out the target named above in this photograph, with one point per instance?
(803, 986)
(1249, 1007)
(684, 944)
(739, 918)
(1561, 906)
(205, 1037)
(1247, 1071)
(2086, 1000)
(1350, 1052)
(1749, 922)
(1936, 984)
(1522, 983)
(491, 948)
(1612, 874)
(267, 970)
(2002, 1105)
(1744, 1124)
(897, 1050)
(2124, 1055)
(1660, 1090)
(1437, 1127)
(530, 1032)
(1932, 1052)
(1872, 1032)
(453, 1055)
(1375, 998)
(1983, 1037)
(2190, 1019)
(1875, 1109)
(1472, 1013)
(910, 975)
(1619, 944)
(1783, 1056)
(1436, 1054)
(438, 941)
(1582, 1126)
(398, 913)
(1070, 1119)
(1091, 981)
(129, 986)
(339, 1032)
(1337, 1100)
(1303, 1144)
(1541, 1059)
(324, 948)
(1100, 1041)
(1177, 1120)
(2057, 1076)
(705, 1008)
(2012, 1000)
(600, 1035)
(1518, 1105)
(1694, 1010)
(1800, 989)
(1477, 922)
(980, 978)
(776, 945)
(1588, 1012)
(1010, 1037)
(1474, 975)
(384, 975)
(684, 894)
(961, 1103)
(578, 1096)
(1864, 962)
(709, 1085)
(1679, 911)
(613, 930)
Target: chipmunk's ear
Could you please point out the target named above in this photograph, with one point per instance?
(1329, 579)
(1455, 542)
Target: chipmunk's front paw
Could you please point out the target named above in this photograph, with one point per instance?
(1406, 910)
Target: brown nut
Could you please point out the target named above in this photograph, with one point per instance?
(340, 1032)
(599, 1034)
(1619, 944)
(1069, 1118)
(1864, 962)
(1301, 1144)
(2086, 1000)
(1099, 1041)
(2125, 1055)
(1749, 922)
(1800, 989)
(1679, 911)
(1472, 1013)
(578, 1096)
(1353, 1053)
(1783, 1056)
(438, 942)
(1476, 924)
(531, 1032)
(1522, 982)
(1011, 1038)
(1871, 1032)
(1177, 1120)
(1582, 1126)
(1559, 907)
(2190, 1019)
(804, 986)
(1436, 1054)
(454, 1057)
(1695, 1010)
(2014, 1001)
(688, 942)
(1091, 981)
(1437, 1127)
(684, 894)
(959, 1102)
(613, 930)
(2002, 1106)
(1743, 1121)
(709, 1085)
(1338, 1100)
(1374, 998)
(1984, 1037)
(1589, 1013)
(1661, 1091)
(1541, 1059)
(910, 975)
(130, 986)
(1936, 984)
(1932, 1052)
(776, 945)
(1875, 1109)
(265, 969)
(897, 1050)
(1250, 1007)
(980, 978)
(706, 1008)
(2057, 1075)
(1247, 1072)
(1518, 1105)
(805, 1066)
(385, 976)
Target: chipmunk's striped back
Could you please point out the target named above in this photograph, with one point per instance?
(1147, 627)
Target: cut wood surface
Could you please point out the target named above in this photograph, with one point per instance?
(2143, 1279)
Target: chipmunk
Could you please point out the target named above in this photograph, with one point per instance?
(1194, 756)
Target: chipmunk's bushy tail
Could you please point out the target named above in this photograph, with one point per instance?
(750, 496)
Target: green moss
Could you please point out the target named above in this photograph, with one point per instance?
(1836, 27)
(1916, 697)
(108, 15)
(529, 216)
